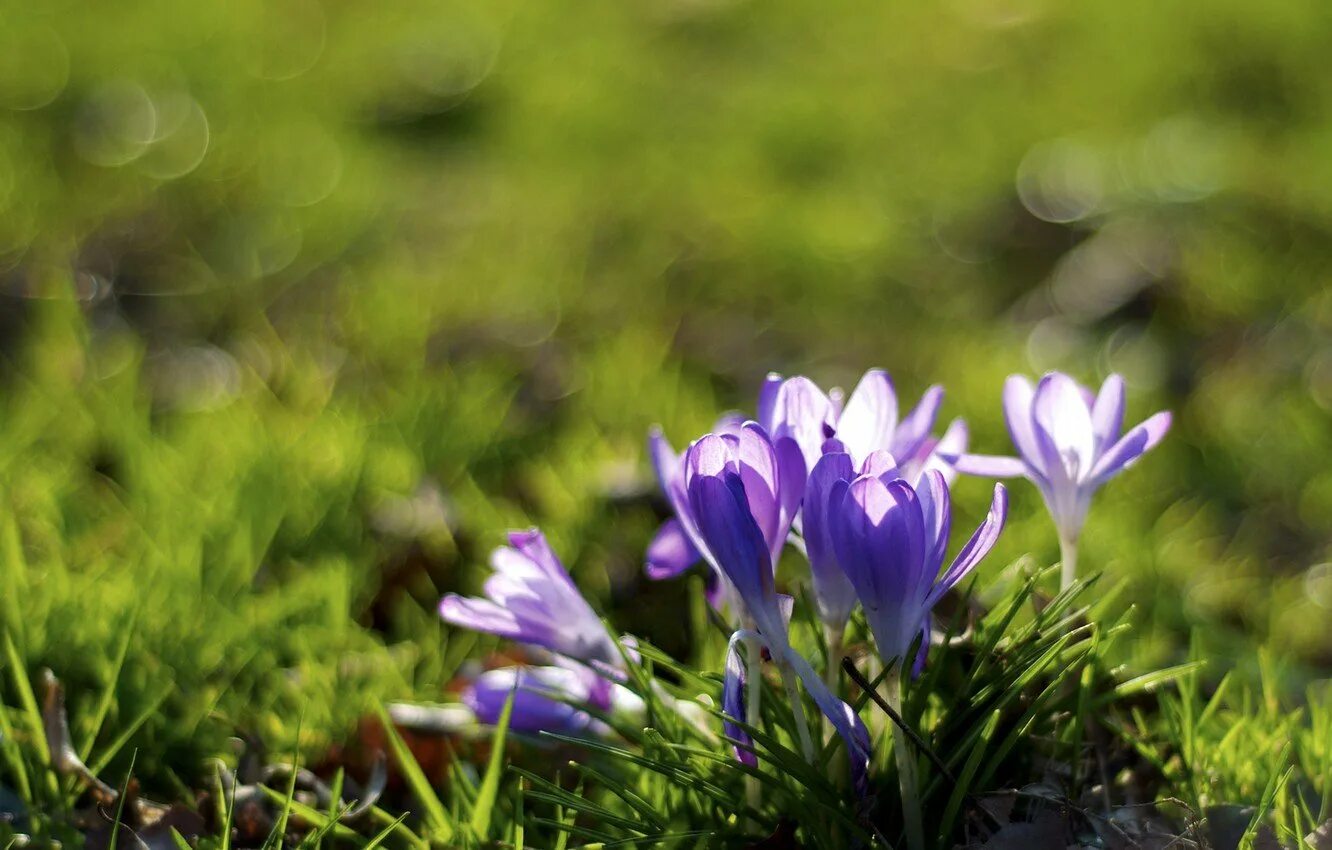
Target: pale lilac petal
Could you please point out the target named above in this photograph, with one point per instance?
(1018, 397)
(1130, 447)
(1061, 411)
(880, 464)
(940, 454)
(936, 512)
(916, 426)
(767, 399)
(1107, 413)
(479, 615)
(791, 477)
(670, 552)
(990, 466)
(665, 460)
(803, 413)
(835, 596)
(870, 417)
(709, 456)
(734, 695)
(843, 718)
(980, 544)
(532, 544)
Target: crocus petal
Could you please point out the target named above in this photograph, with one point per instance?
(1107, 413)
(532, 544)
(980, 544)
(734, 695)
(718, 501)
(835, 596)
(791, 476)
(842, 717)
(870, 417)
(803, 413)
(538, 698)
(936, 511)
(939, 454)
(880, 464)
(479, 615)
(767, 399)
(670, 552)
(1130, 447)
(762, 483)
(922, 651)
(1018, 397)
(1060, 410)
(916, 426)
(990, 466)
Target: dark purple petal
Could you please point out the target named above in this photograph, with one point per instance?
(832, 589)
(537, 694)
(1107, 413)
(907, 522)
(761, 479)
(733, 699)
(670, 552)
(980, 544)
(916, 426)
(990, 466)
(922, 651)
(859, 541)
(870, 417)
(719, 504)
(1130, 447)
(843, 718)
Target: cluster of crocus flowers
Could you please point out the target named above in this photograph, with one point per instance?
(1070, 442)
(861, 491)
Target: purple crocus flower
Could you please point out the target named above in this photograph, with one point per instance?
(776, 484)
(734, 492)
(1069, 444)
(544, 698)
(531, 599)
(890, 539)
(796, 410)
(539, 697)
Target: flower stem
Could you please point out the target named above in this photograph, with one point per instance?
(1068, 561)
(753, 693)
(836, 646)
(906, 765)
(798, 709)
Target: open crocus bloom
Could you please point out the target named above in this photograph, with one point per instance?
(729, 484)
(544, 698)
(1068, 442)
(890, 539)
(796, 410)
(532, 600)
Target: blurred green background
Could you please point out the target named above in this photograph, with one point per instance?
(303, 303)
